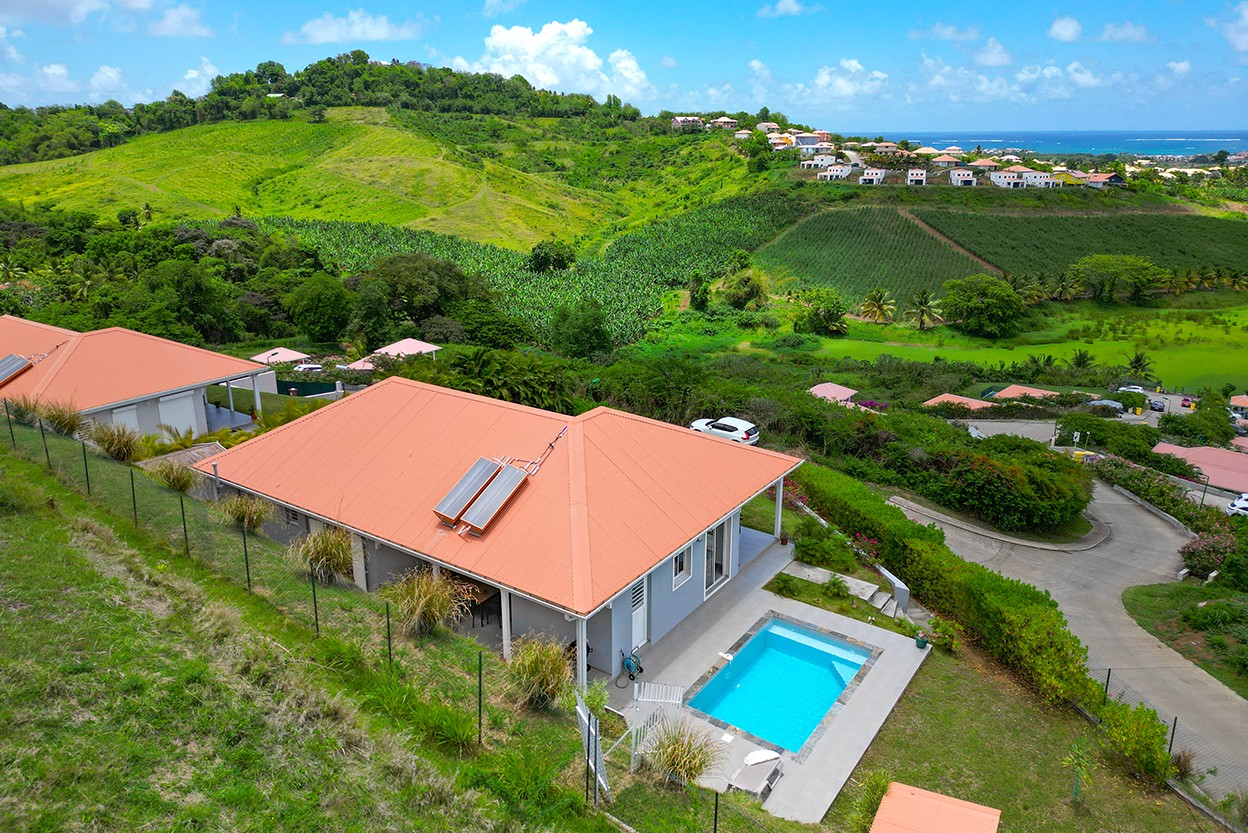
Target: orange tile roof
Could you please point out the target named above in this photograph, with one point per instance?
(1015, 391)
(1225, 468)
(616, 496)
(106, 367)
(953, 398)
(30, 338)
(907, 809)
(832, 392)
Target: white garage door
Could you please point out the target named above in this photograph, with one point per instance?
(128, 416)
(178, 411)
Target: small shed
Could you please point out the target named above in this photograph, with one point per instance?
(907, 809)
(280, 355)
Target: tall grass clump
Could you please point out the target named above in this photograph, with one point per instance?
(247, 510)
(327, 552)
(682, 751)
(121, 442)
(427, 601)
(62, 418)
(867, 804)
(23, 409)
(539, 670)
(173, 475)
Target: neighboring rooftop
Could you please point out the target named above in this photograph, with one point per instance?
(954, 399)
(616, 495)
(1225, 468)
(1015, 391)
(907, 809)
(279, 355)
(833, 392)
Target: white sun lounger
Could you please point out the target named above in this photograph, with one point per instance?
(757, 779)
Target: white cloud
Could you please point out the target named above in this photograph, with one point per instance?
(961, 84)
(945, 31)
(1234, 30)
(179, 22)
(787, 8)
(493, 8)
(134, 5)
(54, 78)
(7, 50)
(357, 26)
(1066, 29)
(49, 11)
(198, 80)
(1081, 76)
(993, 54)
(1126, 32)
(1179, 67)
(848, 81)
(668, 62)
(106, 79)
(556, 57)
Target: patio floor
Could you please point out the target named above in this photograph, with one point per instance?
(809, 785)
(219, 417)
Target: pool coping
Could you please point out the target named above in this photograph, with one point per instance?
(829, 717)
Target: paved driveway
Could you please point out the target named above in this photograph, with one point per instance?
(1088, 586)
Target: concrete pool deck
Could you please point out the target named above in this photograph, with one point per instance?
(809, 785)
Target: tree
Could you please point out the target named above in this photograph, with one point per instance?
(321, 307)
(746, 291)
(1140, 364)
(371, 315)
(551, 256)
(1104, 274)
(580, 331)
(823, 312)
(700, 294)
(924, 309)
(878, 307)
(1081, 360)
(983, 305)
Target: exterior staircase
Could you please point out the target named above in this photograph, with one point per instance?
(881, 600)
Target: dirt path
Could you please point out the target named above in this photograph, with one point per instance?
(934, 233)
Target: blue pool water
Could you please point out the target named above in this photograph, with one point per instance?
(782, 683)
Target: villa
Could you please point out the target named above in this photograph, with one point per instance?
(604, 530)
(834, 172)
(687, 123)
(872, 176)
(398, 350)
(767, 127)
(820, 160)
(984, 165)
(742, 135)
(916, 176)
(724, 123)
(1006, 179)
(962, 176)
(945, 161)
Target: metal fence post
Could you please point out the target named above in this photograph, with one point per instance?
(134, 498)
(716, 823)
(389, 641)
(1105, 699)
(480, 693)
(1173, 729)
(86, 469)
(44, 437)
(316, 614)
(246, 557)
(186, 538)
(9, 419)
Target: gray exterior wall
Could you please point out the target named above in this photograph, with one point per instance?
(385, 564)
(530, 617)
(609, 632)
(668, 606)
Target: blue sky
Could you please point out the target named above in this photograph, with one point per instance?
(1065, 65)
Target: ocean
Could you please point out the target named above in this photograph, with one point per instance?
(1139, 142)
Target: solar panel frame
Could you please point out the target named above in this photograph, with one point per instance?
(491, 501)
(11, 365)
(469, 487)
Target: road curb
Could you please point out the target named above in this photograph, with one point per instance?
(1100, 532)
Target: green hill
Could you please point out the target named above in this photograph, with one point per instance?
(360, 166)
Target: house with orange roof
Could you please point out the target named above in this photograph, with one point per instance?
(280, 355)
(833, 392)
(1225, 468)
(1110, 180)
(954, 399)
(400, 349)
(984, 165)
(825, 137)
(119, 376)
(945, 161)
(604, 529)
(687, 123)
(907, 809)
(1015, 391)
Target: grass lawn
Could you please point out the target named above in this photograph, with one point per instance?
(855, 608)
(1158, 608)
(1070, 533)
(760, 514)
(967, 728)
(243, 399)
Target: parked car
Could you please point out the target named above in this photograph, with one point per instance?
(1186, 403)
(730, 428)
(307, 368)
(1157, 405)
(1131, 389)
(1238, 506)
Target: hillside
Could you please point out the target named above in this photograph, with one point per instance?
(359, 166)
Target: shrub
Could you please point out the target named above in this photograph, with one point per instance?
(595, 695)
(62, 418)
(867, 803)
(539, 670)
(121, 442)
(247, 510)
(1234, 571)
(1183, 763)
(1207, 551)
(426, 601)
(944, 633)
(835, 588)
(682, 751)
(326, 552)
(172, 475)
(23, 409)
(1216, 616)
(1138, 736)
(785, 585)
(824, 548)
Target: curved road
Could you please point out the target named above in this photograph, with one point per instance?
(1088, 586)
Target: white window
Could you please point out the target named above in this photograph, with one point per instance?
(682, 567)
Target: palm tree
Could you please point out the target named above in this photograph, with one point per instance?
(924, 309)
(1028, 288)
(147, 212)
(1176, 282)
(1081, 360)
(1140, 364)
(10, 269)
(878, 307)
(1065, 287)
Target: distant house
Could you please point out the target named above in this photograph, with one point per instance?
(1039, 179)
(687, 123)
(724, 123)
(824, 136)
(916, 176)
(1110, 180)
(742, 135)
(820, 161)
(605, 529)
(1006, 179)
(1064, 178)
(927, 151)
(1009, 157)
(984, 165)
(953, 149)
(117, 376)
(833, 392)
(280, 355)
(399, 350)
(885, 148)
(835, 172)
(955, 399)
(962, 176)
(767, 127)
(1226, 469)
(1019, 169)
(945, 161)
(1015, 391)
(872, 176)
(805, 143)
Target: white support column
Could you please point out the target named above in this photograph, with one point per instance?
(582, 654)
(504, 597)
(779, 506)
(437, 570)
(258, 404)
(229, 392)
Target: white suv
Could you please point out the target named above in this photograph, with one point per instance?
(1238, 506)
(729, 428)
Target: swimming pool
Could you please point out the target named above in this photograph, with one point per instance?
(781, 684)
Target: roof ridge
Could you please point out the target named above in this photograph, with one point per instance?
(57, 358)
(578, 518)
